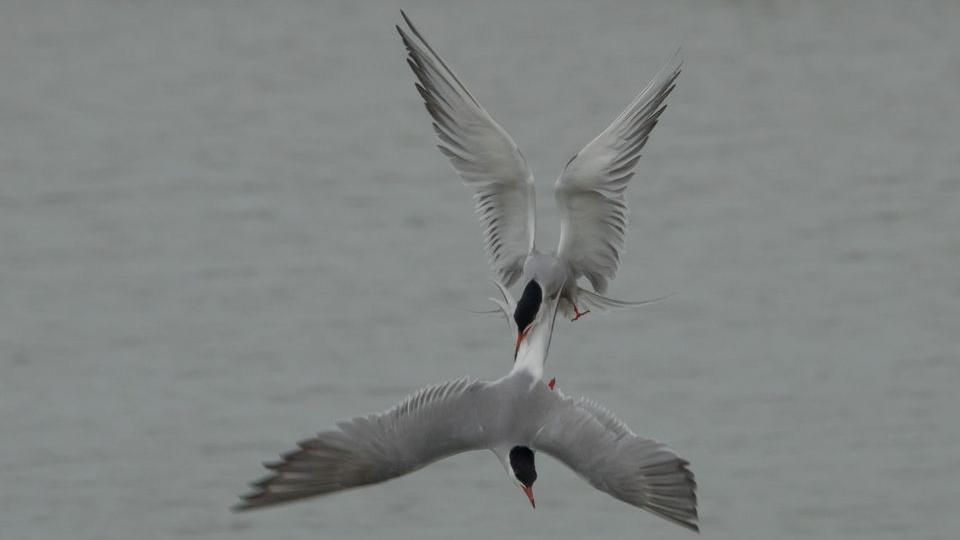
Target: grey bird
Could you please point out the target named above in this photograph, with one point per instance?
(515, 417)
(589, 192)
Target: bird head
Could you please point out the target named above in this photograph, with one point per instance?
(525, 314)
(519, 465)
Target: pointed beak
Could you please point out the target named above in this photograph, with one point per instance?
(520, 337)
(528, 491)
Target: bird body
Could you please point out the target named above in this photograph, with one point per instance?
(557, 278)
(514, 417)
(554, 274)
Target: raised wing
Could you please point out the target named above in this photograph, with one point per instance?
(433, 423)
(590, 191)
(603, 451)
(482, 153)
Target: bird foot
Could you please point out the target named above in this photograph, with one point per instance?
(577, 313)
(552, 383)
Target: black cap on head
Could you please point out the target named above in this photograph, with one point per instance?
(528, 305)
(521, 461)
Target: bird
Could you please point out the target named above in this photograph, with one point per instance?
(515, 417)
(590, 192)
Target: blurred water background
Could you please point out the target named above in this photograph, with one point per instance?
(224, 225)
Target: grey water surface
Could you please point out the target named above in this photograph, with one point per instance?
(224, 226)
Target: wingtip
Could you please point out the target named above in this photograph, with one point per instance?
(242, 506)
(406, 19)
(671, 68)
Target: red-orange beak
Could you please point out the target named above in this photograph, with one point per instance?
(520, 337)
(528, 491)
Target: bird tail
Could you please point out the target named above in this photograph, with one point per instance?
(593, 300)
(505, 305)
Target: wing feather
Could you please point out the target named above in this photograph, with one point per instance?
(590, 191)
(432, 423)
(600, 448)
(482, 153)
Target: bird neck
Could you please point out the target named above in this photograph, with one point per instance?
(534, 348)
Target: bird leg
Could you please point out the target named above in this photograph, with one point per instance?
(578, 313)
(552, 383)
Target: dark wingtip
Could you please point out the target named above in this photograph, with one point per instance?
(405, 18)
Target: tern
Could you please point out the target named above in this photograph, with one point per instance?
(589, 192)
(515, 417)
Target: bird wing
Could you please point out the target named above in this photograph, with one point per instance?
(482, 153)
(590, 191)
(432, 423)
(602, 450)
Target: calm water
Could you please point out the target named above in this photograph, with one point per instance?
(224, 226)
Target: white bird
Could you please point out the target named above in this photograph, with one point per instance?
(589, 192)
(514, 417)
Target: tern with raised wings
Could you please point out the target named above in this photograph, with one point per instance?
(590, 192)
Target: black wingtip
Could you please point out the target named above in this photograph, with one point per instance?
(407, 20)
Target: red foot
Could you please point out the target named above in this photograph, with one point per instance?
(578, 313)
(552, 383)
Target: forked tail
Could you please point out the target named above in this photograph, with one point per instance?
(593, 300)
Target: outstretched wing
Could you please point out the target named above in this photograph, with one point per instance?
(482, 153)
(433, 423)
(602, 450)
(590, 191)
